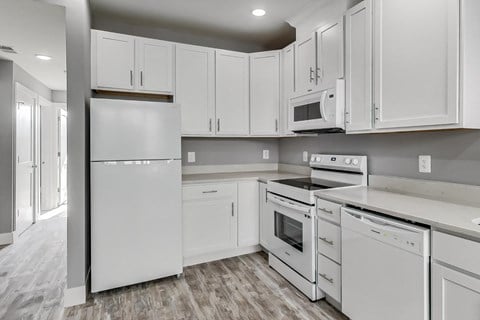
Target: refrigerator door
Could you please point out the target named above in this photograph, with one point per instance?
(136, 222)
(134, 130)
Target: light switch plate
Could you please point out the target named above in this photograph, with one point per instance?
(191, 157)
(266, 154)
(305, 156)
(425, 163)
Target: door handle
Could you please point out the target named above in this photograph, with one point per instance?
(218, 125)
(324, 276)
(131, 77)
(276, 125)
(233, 209)
(326, 211)
(211, 191)
(330, 242)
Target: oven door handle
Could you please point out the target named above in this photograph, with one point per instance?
(288, 204)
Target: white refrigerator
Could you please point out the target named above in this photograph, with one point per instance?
(136, 226)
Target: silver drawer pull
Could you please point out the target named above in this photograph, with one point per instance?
(330, 242)
(324, 276)
(326, 211)
(211, 191)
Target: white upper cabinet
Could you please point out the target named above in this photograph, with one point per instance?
(195, 89)
(264, 93)
(113, 61)
(329, 55)
(288, 85)
(127, 63)
(305, 65)
(154, 65)
(416, 70)
(358, 68)
(232, 93)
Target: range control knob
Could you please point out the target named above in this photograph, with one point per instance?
(348, 161)
(318, 159)
(355, 162)
(312, 159)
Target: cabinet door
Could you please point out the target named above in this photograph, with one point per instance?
(231, 93)
(194, 89)
(263, 215)
(305, 65)
(264, 93)
(209, 219)
(154, 66)
(358, 67)
(416, 62)
(330, 54)
(454, 295)
(114, 60)
(288, 86)
(248, 214)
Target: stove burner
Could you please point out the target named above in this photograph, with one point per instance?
(311, 184)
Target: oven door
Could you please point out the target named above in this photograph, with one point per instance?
(291, 234)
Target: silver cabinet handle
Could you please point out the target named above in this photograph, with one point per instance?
(211, 191)
(324, 276)
(330, 242)
(311, 74)
(326, 211)
(141, 78)
(210, 124)
(218, 125)
(276, 125)
(319, 73)
(233, 209)
(131, 77)
(347, 117)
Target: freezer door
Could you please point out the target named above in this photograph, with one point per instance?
(136, 227)
(134, 130)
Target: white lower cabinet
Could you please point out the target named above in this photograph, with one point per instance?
(263, 215)
(209, 218)
(248, 214)
(329, 277)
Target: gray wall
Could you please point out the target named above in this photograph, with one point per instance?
(6, 146)
(22, 76)
(455, 154)
(102, 22)
(59, 96)
(218, 151)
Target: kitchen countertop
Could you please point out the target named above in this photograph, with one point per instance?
(262, 176)
(438, 214)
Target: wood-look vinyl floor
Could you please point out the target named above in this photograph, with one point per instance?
(32, 279)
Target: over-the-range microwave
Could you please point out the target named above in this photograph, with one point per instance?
(318, 112)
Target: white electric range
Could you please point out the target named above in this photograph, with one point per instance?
(291, 216)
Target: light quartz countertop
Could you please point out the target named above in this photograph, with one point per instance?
(263, 176)
(443, 215)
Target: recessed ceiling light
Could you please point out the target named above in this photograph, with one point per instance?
(258, 12)
(43, 57)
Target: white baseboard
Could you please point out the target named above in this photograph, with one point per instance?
(75, 296)
(229, 168)
(6, 238)
(190, 261)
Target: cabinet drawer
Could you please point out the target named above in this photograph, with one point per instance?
(329, 277)
(456, 251)
(328, 210)
(207, 191)
(329, 240)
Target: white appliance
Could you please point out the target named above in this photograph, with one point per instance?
(318, 112)
(291, 217)
(136, 227)
(385, 268)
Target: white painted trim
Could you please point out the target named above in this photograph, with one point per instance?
(291, 168)
(6, 238)
(75, 296)
(190, 261)
(230, 168)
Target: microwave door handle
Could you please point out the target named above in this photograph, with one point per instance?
(322, 104)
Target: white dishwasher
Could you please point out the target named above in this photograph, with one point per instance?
(385, 268)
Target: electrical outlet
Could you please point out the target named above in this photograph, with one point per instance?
(266, 154)
(191, 157)
(305, 156)
(425, 163)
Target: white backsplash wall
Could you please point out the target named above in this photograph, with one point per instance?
(455, 154)
(227, 151)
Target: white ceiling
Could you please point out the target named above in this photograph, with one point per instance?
(223, 18)
(32, 27)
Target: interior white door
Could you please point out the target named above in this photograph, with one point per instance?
(264, 93)
(232, 92)
(25, 158)
(330, 54)
(154, 65)
(195, 88)
(115, 61)
(454, 295)
(62, 147)
(358, 67)
(416, 62)
(48, 156)
(248, 214)
(305, 65)
(288, 86)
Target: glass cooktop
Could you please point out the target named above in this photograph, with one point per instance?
(311, 184)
